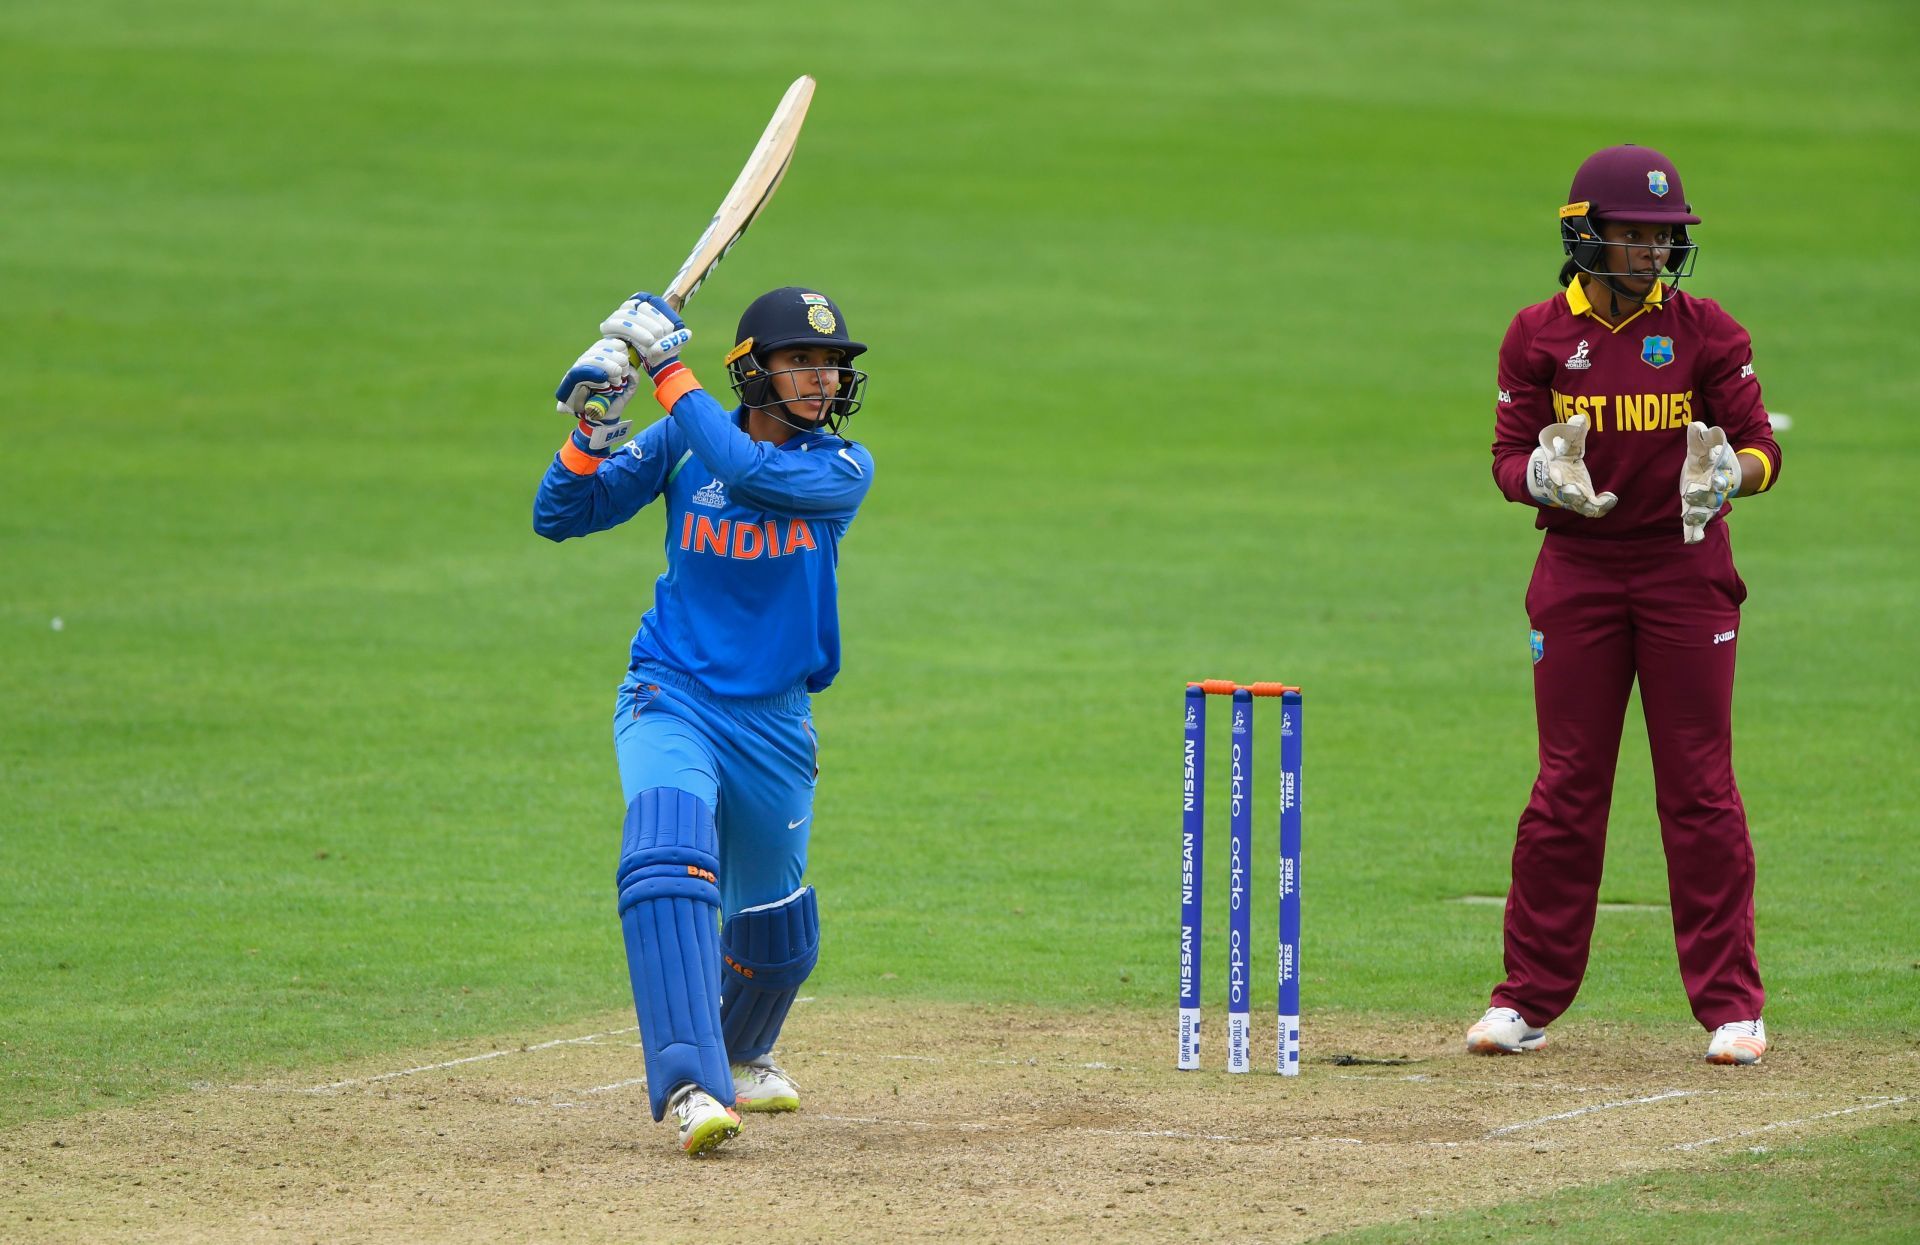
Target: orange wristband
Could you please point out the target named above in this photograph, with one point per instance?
(673, 384)
(577, 460)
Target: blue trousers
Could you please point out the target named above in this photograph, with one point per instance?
(752, 761)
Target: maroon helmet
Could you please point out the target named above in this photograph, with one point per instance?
(1625, 183)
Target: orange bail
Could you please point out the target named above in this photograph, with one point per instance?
(1227, 687)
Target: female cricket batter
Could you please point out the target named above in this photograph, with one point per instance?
(711, 727)
(1626, 385)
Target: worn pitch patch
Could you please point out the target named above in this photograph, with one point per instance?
(983, 1123)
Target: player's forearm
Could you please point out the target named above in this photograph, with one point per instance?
(564, 505)
(575, 498)
(1518, 416)
(1510, 474)
(723, 449)
(1758, 470)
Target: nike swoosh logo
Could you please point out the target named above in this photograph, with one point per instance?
(795, 825)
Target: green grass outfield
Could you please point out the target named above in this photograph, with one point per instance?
(1183, 331)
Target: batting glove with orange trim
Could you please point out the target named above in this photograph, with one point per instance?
(603, 372)
(650, 325)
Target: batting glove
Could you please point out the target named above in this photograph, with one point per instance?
(1709, 476)
(1557, 476)
(650, 325)
(596, 390)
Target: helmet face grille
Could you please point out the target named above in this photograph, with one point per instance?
(753, 384)
(1586, 252)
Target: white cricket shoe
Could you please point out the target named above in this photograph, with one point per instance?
(764, 1087)
(1742, 1042)
(1502, 1032)
(705, 1124)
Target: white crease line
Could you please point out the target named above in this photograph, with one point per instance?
(1449, 1082)
(1764, 1128)
(1599, 1106)
(1029, 1062)
(965, 1125)
(454, 1063)
(597, 1089)
(971, 1126)
(1157, 1132)
(1177, 1134)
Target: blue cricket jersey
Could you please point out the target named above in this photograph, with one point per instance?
(749, 601)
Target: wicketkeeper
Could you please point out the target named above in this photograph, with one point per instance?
(1628, 415)
(712, 727)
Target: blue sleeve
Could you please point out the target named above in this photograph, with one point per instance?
(828, 480)
(573, 504)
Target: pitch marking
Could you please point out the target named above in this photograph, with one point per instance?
(1766, 1128)
(1599, 1106)
(454, 1063)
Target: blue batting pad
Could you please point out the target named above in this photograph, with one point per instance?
(668, 881)
(769, 952)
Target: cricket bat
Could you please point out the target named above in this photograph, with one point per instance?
(751, 192)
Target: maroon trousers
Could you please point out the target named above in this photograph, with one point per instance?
(1609, 611)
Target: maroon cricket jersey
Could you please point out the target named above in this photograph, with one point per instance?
(1677, 360)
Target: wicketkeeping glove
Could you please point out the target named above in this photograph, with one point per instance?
(604, 373)
(1557, 474)
(1709, 476)
(652, 327)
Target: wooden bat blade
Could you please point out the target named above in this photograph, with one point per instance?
(751, 191)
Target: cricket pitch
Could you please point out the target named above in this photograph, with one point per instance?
(930, 1123)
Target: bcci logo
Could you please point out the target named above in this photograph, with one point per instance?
(819, 312)
(1656, 351)
(1657, 182)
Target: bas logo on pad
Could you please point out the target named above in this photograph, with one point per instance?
(1656, 351)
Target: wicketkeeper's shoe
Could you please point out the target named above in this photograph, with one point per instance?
(1502, 1032)
(1742, 1041)
(705, 1124)
(764, 1087)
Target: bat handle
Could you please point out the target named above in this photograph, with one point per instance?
(594, 410)
(596, 406)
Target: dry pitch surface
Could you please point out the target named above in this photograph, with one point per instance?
(986, 1124)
